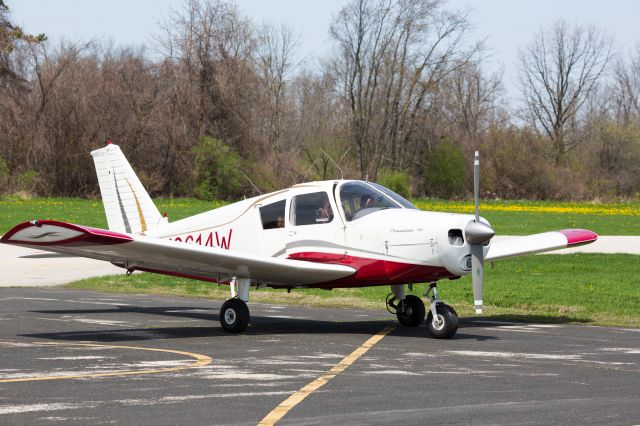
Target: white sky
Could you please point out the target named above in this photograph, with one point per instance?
(507, 24)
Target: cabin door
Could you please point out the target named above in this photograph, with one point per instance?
(315, 230)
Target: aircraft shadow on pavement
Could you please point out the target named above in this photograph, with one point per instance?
(259, 325)
(511, 319)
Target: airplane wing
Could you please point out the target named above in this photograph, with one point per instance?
(169, 257)
(539, 243)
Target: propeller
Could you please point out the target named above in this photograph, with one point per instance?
(477, 234)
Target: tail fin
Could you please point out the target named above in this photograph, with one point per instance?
(127, 205)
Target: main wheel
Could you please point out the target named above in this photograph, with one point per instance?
(410, 311)
(234, 316)
(446, 324)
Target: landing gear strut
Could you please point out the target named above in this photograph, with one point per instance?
(442, 320)
(409, 309)
(234, 313)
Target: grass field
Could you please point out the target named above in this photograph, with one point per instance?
(507, 217)
(589, 288)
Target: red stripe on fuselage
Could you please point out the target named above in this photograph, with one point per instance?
(372, 272)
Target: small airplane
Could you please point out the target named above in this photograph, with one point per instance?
(327, 234)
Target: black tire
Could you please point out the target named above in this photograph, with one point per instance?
(410, 311)
(234, 316)
(449, 322)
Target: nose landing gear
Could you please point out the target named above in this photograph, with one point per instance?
(442, 319)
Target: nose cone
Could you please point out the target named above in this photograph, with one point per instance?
(478, 232)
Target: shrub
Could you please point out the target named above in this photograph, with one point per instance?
(217, 170)
(446, 171)
(4, 176)
(28, 181)
(397, 181)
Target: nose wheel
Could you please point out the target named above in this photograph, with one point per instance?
(442, 320)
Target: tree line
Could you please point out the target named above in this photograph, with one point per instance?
(219, 106)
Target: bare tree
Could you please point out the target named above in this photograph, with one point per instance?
(212, 43)
(14, 84)
(625, 102)
(276, 50)
(392, 55)
(558, 72)
(469, 100)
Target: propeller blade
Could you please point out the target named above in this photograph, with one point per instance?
(477, 233)
(477, 275)
(476, 184)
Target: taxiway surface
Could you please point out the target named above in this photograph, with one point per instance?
(60, 348)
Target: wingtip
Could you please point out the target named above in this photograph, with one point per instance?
(53, 232)
(579, 236)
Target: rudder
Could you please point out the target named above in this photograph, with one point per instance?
(127, 204)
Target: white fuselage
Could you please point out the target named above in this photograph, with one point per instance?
(389, 245)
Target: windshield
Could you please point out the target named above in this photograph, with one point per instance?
(359, 199)
(399, 198)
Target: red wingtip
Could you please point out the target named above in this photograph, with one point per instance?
(109, 142)
(579, 236)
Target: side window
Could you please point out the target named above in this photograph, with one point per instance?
(272, 215)
(311, 209)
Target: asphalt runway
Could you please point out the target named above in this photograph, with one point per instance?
(77, 357)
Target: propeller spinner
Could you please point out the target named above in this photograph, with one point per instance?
(477, 234)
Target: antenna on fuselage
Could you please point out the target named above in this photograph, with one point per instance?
(252, 184)
(334, 163)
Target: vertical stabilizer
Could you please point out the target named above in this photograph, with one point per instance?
(127, 205)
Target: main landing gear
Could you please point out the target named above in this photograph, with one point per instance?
(234, 313)
(442, 319)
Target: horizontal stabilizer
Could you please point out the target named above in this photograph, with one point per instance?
(169, 257)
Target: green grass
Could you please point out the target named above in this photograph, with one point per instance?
(589, 288)
(507, 217)
(526, 217)
(89, 212)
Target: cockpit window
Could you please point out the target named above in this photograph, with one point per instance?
(358, 199)
(272, 215)
(399, 198)
(311, 209)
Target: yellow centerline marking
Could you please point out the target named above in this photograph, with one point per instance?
(285, 406)
(201, 360)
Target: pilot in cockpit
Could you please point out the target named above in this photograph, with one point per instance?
(324, 213)
(366, 202)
